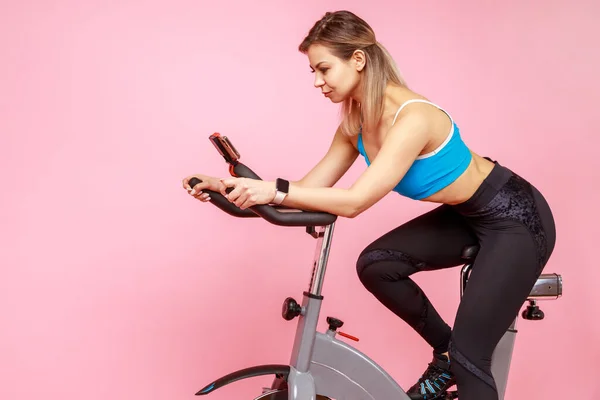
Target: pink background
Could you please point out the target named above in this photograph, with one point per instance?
(116, 284)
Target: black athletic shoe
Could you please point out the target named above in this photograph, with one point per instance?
(434, 382)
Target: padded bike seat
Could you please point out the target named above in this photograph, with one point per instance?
(469, 252)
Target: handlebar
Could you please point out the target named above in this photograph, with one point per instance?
(277, 215)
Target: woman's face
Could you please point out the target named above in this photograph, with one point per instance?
(337, 79)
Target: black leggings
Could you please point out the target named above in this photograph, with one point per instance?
(513, 225)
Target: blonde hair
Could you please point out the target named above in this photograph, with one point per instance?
(343, 32)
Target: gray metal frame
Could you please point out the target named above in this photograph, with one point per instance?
(322, 364)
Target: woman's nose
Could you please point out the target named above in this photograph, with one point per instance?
(319, 81)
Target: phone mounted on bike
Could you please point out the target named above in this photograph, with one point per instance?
(225, 148)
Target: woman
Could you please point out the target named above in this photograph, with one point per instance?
(414, 147)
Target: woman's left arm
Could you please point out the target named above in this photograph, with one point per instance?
(403, 143)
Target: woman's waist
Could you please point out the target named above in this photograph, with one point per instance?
(466, 185)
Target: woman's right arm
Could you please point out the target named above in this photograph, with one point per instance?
(336, 162)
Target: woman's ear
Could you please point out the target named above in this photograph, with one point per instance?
(359, 59)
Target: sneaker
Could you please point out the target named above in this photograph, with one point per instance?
(434, 382)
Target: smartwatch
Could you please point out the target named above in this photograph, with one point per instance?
(283, 187)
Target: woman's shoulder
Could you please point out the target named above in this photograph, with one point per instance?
(416, 107)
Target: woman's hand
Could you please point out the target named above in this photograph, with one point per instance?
(208, 182)
(248, 192)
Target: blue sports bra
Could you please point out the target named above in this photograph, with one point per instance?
(435, 170)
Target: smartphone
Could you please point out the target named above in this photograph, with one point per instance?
(225, 148)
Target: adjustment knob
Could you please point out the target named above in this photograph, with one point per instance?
(533, 312)
(334, 323)
(291, 309)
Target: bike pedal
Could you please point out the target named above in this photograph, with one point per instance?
(450, 395)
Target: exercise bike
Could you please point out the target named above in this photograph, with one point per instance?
(322, 366)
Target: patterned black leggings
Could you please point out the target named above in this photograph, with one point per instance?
(513, 225)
